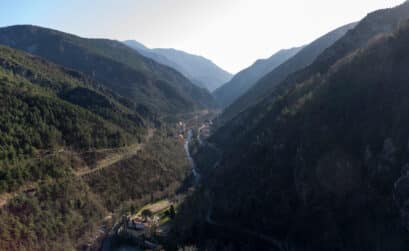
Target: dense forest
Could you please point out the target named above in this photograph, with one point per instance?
(37, 117)
(62, 214)
(266, 83)
(321, 164)
(54, 124)
(104, 148)
(115, 66)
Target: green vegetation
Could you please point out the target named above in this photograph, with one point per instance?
(73, 218)
(12, 177)
(58, 215)
(162, 209)
(35, 117)
(322, 163)
(115, 66)
(266, 83)
(54, 122)
(157, 172)
(198, 69)
(247, 78)
(149, 206)
(166, 215)
(318, 57)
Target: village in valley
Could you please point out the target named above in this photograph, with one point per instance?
(149, 225)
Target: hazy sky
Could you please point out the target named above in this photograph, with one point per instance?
(232, 33)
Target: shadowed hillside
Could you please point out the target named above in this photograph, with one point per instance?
(269, 82)
(114, 65)
(62, 135)
(245, 79)
(322, 163)
(197, 69)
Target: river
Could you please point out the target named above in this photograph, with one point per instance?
(195, 172)
(125, 247)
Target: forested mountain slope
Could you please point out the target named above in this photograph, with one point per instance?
(199, 70)
(245, 79)
(269, 82)
(322, 164)
(55, 121)
(374, 24)
(114, 65)
(69, 108)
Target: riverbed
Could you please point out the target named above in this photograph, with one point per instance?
(126, 247)
(195, 172)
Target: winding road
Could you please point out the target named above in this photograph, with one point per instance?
(122, 154)
(127, 153)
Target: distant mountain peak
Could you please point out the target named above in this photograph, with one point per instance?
(198, 69)
(113, 65)
(135, 44)
(265, 84)
(246, 78)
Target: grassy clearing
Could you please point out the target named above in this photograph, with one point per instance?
(159, 209)
(155, 208)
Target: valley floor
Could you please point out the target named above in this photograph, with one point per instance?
(193, 128)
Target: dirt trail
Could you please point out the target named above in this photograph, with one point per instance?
(5, 197)
(121, 154)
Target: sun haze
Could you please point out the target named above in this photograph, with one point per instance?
(232, 33)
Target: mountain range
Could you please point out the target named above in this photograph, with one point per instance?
(321, 162)
(201, 71)
(268, 82)
(113, 65)
(310, 152)
(245, 79)
(83, 135)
